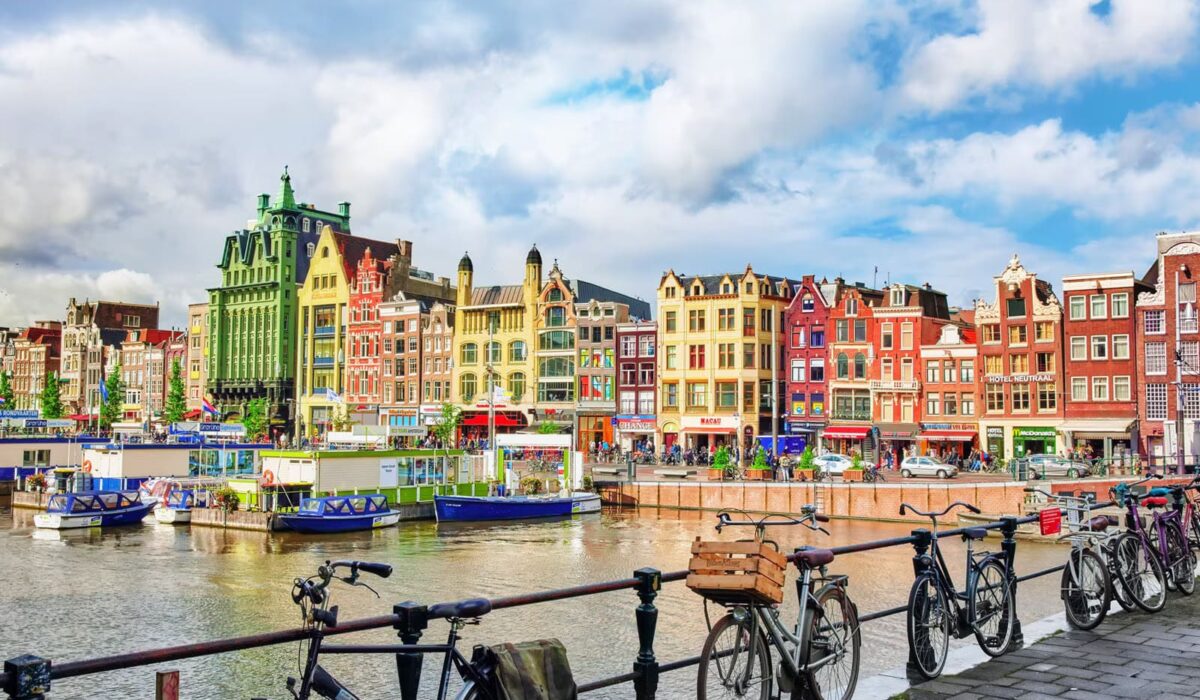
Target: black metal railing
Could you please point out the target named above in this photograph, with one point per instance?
(410, 619)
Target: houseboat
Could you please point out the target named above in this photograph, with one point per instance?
(341, 514)
(471, 508)
(93, 509)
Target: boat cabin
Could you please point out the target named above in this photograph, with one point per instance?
(333, 506)
(93, 501)
(188, 498)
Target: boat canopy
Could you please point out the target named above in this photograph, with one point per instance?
(93, 501)
(188, 499)
(345, 505)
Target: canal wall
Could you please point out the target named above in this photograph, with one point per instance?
(259, 521)
(29, 499)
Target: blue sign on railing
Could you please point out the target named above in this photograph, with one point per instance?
(18, 414)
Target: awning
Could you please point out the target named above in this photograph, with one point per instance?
(81, 416)
(709, 430)
(898, 431)
(481, 420)
(847, 432)
(948, 435)
(1098, 428)
(192, 414)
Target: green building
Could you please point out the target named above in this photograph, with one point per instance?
(252, 313)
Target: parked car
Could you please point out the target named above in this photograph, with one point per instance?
(1041, 466)
(833, 463)
(927, 466)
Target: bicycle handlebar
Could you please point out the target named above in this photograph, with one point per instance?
(810, 514)
(904, 508)
(380, 570)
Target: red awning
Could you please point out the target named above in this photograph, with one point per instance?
(80, 416)
(947, 435)
(192, 414)
(481, 420)
(847, 432)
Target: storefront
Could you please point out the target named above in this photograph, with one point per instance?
(807, 430)
(595, 432)
(709, 432)
(995, 441)
(1103, 438)
(670, 434)
(898, 439)
(1034, 441)
(635, 432)
(844, 439)
(947, 439)
(474, 425)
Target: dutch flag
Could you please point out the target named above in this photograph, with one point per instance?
(208, 408)
(1, 400)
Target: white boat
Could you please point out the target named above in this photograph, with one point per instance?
(179, 505)
(92, 509)
(585, 502)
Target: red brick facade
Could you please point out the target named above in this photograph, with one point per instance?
(806, 325)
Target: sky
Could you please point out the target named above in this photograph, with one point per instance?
(904, 141)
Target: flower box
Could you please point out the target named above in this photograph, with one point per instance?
(716, 474)
(758, 474)
(804, 474)
(852, 475)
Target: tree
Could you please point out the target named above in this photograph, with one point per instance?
(340, 420)
(446, 425)
(254, 418)
(176, 399)
(112, 408)
(51, 400)
(6, 391)
(547, 428)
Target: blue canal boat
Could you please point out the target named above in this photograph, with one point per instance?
(93, 509)
(342, 514)
(466, 508)
(179, 505)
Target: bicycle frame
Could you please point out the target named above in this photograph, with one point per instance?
(934, 563)
(1156, 545)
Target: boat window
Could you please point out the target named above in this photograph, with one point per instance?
(311, 505)
(358, 504)
(57, 503)
(109, 499)
(333, 505)
(176, 498)
(82, 504)
(379, 502)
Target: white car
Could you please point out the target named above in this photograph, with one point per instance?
(927, 466)
(833, 463)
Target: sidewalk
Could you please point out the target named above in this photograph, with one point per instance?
(1131, 655)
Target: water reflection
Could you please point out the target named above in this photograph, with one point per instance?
(79, 594)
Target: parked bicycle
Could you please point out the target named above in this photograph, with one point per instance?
(312, 596)
(873, 474)
(1152, 560)
(937, 611)
(818, 657)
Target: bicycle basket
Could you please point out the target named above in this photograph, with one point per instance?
(536, 670)
(737, 573)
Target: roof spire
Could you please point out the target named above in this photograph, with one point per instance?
(287, 198)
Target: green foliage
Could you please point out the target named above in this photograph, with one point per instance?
(340, 420)
(760, 459)
(855, 462)
(176, 398)
(807, 459)
(446, 425)
(547, 429)
(587, 483)
(112, 409)
(531, 485)
(721, 458)
(226, 498)
(254, 418)
(6, 391)
(51, 399)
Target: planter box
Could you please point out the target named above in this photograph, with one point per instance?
(804, 474)
(758, 474)
(853, 475)
(716, 474)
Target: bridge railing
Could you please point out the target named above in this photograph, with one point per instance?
(28, 677)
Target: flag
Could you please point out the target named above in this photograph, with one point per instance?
(331, 395)
(103, 389)
(1, 400)
(208, 408)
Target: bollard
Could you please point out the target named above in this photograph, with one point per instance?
(166, 685)
(646, 666)
(1009, 547)
(414, 618)
(630, 469)
(28, 678)
(921, 562)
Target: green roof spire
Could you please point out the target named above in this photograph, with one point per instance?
(287, 198)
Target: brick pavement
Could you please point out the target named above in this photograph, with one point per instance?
(1130, 655)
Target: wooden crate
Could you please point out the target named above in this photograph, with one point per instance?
(737, 572)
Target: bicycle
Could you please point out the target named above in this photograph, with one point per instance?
(873, 474)
(935, 607)
(1137, 562)
(1164, 545)
(819, 657)
(313, 598)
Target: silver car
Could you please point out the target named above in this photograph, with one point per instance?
(1041, 466)
(927, 466)
(833, 463)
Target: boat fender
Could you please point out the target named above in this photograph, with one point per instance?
(268, 478)
(87, 466)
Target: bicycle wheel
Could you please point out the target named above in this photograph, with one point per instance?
(994, 607)
(1140, 573)
(832, 654)
(929, 619)
(1194, 531)
(1181, 561)
(725, 670)
(1085, 589)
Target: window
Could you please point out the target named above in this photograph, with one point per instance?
(950, 405)
(994, 395)
(726, 395)
(806, 303)
(556, 340)
(860, 330)
(517, 351)
(932, 404)
(671, 395)
(798, 338)
(948, 371)
(1121, 389)
(991, 333)
(1099, 347)
(1120, 347)
(696, 320)
(993, 365)
(1020, 397)
(817, 338)
(556, 317)
(885, 368)
(1047, 396)
(670, 292)
(906, 336)
(748, 322)
(696, 356)
(556, 367)
(798, 373)
(493, 352)
(1078, 347)
(672, 356)
(1099, 388)
(1078, 306)
(1018, 335)
(843, 366)
(860, 366)
(1120, 305)
(1156, 401)
(669, 321)
(1015, 308)
(841, 330)
(765, 360)
(468, 354)
(1079, 389)
(1043, 331)
(697, 394)
(897, 296)
(646, 374)
(466, 387)
(1187, 293)
(931, 372)
(1099, 306)
(646, 346)
(1189, 356)
(725, 320)
(851, 306)
(516, 385)
(1154, 322)
(748, 356)
(966, 372)
(1156, 358)
(885, 336)
(1018, 364)
(967, 404)
(816, 372)
(725, 355)
(628, 346)
(1045, 362)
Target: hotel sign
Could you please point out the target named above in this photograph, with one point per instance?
(1019, 378)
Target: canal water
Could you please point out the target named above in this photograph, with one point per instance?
(69, 596)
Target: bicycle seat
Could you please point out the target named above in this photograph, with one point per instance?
(1100, 523)
(974, 533)
(813, 557)
(472, 607)
(1154, 501)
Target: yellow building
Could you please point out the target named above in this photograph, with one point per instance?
(720, 336)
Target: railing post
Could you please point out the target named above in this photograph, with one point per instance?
(1009, 547)
(413, 619)
(646, 666)
(921, 543)
(28, 678)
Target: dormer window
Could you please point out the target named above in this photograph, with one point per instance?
(851, 306)
(555, 295)
(670, 293)
(726, 288)
(306, 225)
(311, 249)
(898, 296)
(806, 303)
(697, 289)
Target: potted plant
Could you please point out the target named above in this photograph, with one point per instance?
(759, 471)
(806, 469)
(531, 485)
(226, 499)
(854, 472)
(716, 470)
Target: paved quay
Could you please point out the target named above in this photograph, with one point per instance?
(1130, 655)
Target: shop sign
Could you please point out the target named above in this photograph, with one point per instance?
(430, 409)
(818, 408)
(635, 425)
(1019, 378)
(709, 422)
(18, 414)
(1033, 432)
(408, 430)
(995, 432)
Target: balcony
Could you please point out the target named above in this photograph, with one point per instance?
(850, 414)
(322, 362)
(895, 385)
(323, 331)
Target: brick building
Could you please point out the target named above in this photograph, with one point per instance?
(637, 379)
(364, 342)
(93, 331)
(806, 328)
(848, 374)
(146, 371)
(1100, 362)
(416, 362)
(36, 355)
(950, 392)
(1020, 347)
(596, 340)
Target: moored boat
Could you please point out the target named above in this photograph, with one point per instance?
(468, 508)
(92, 509)
(341, 514)
(179, 505)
